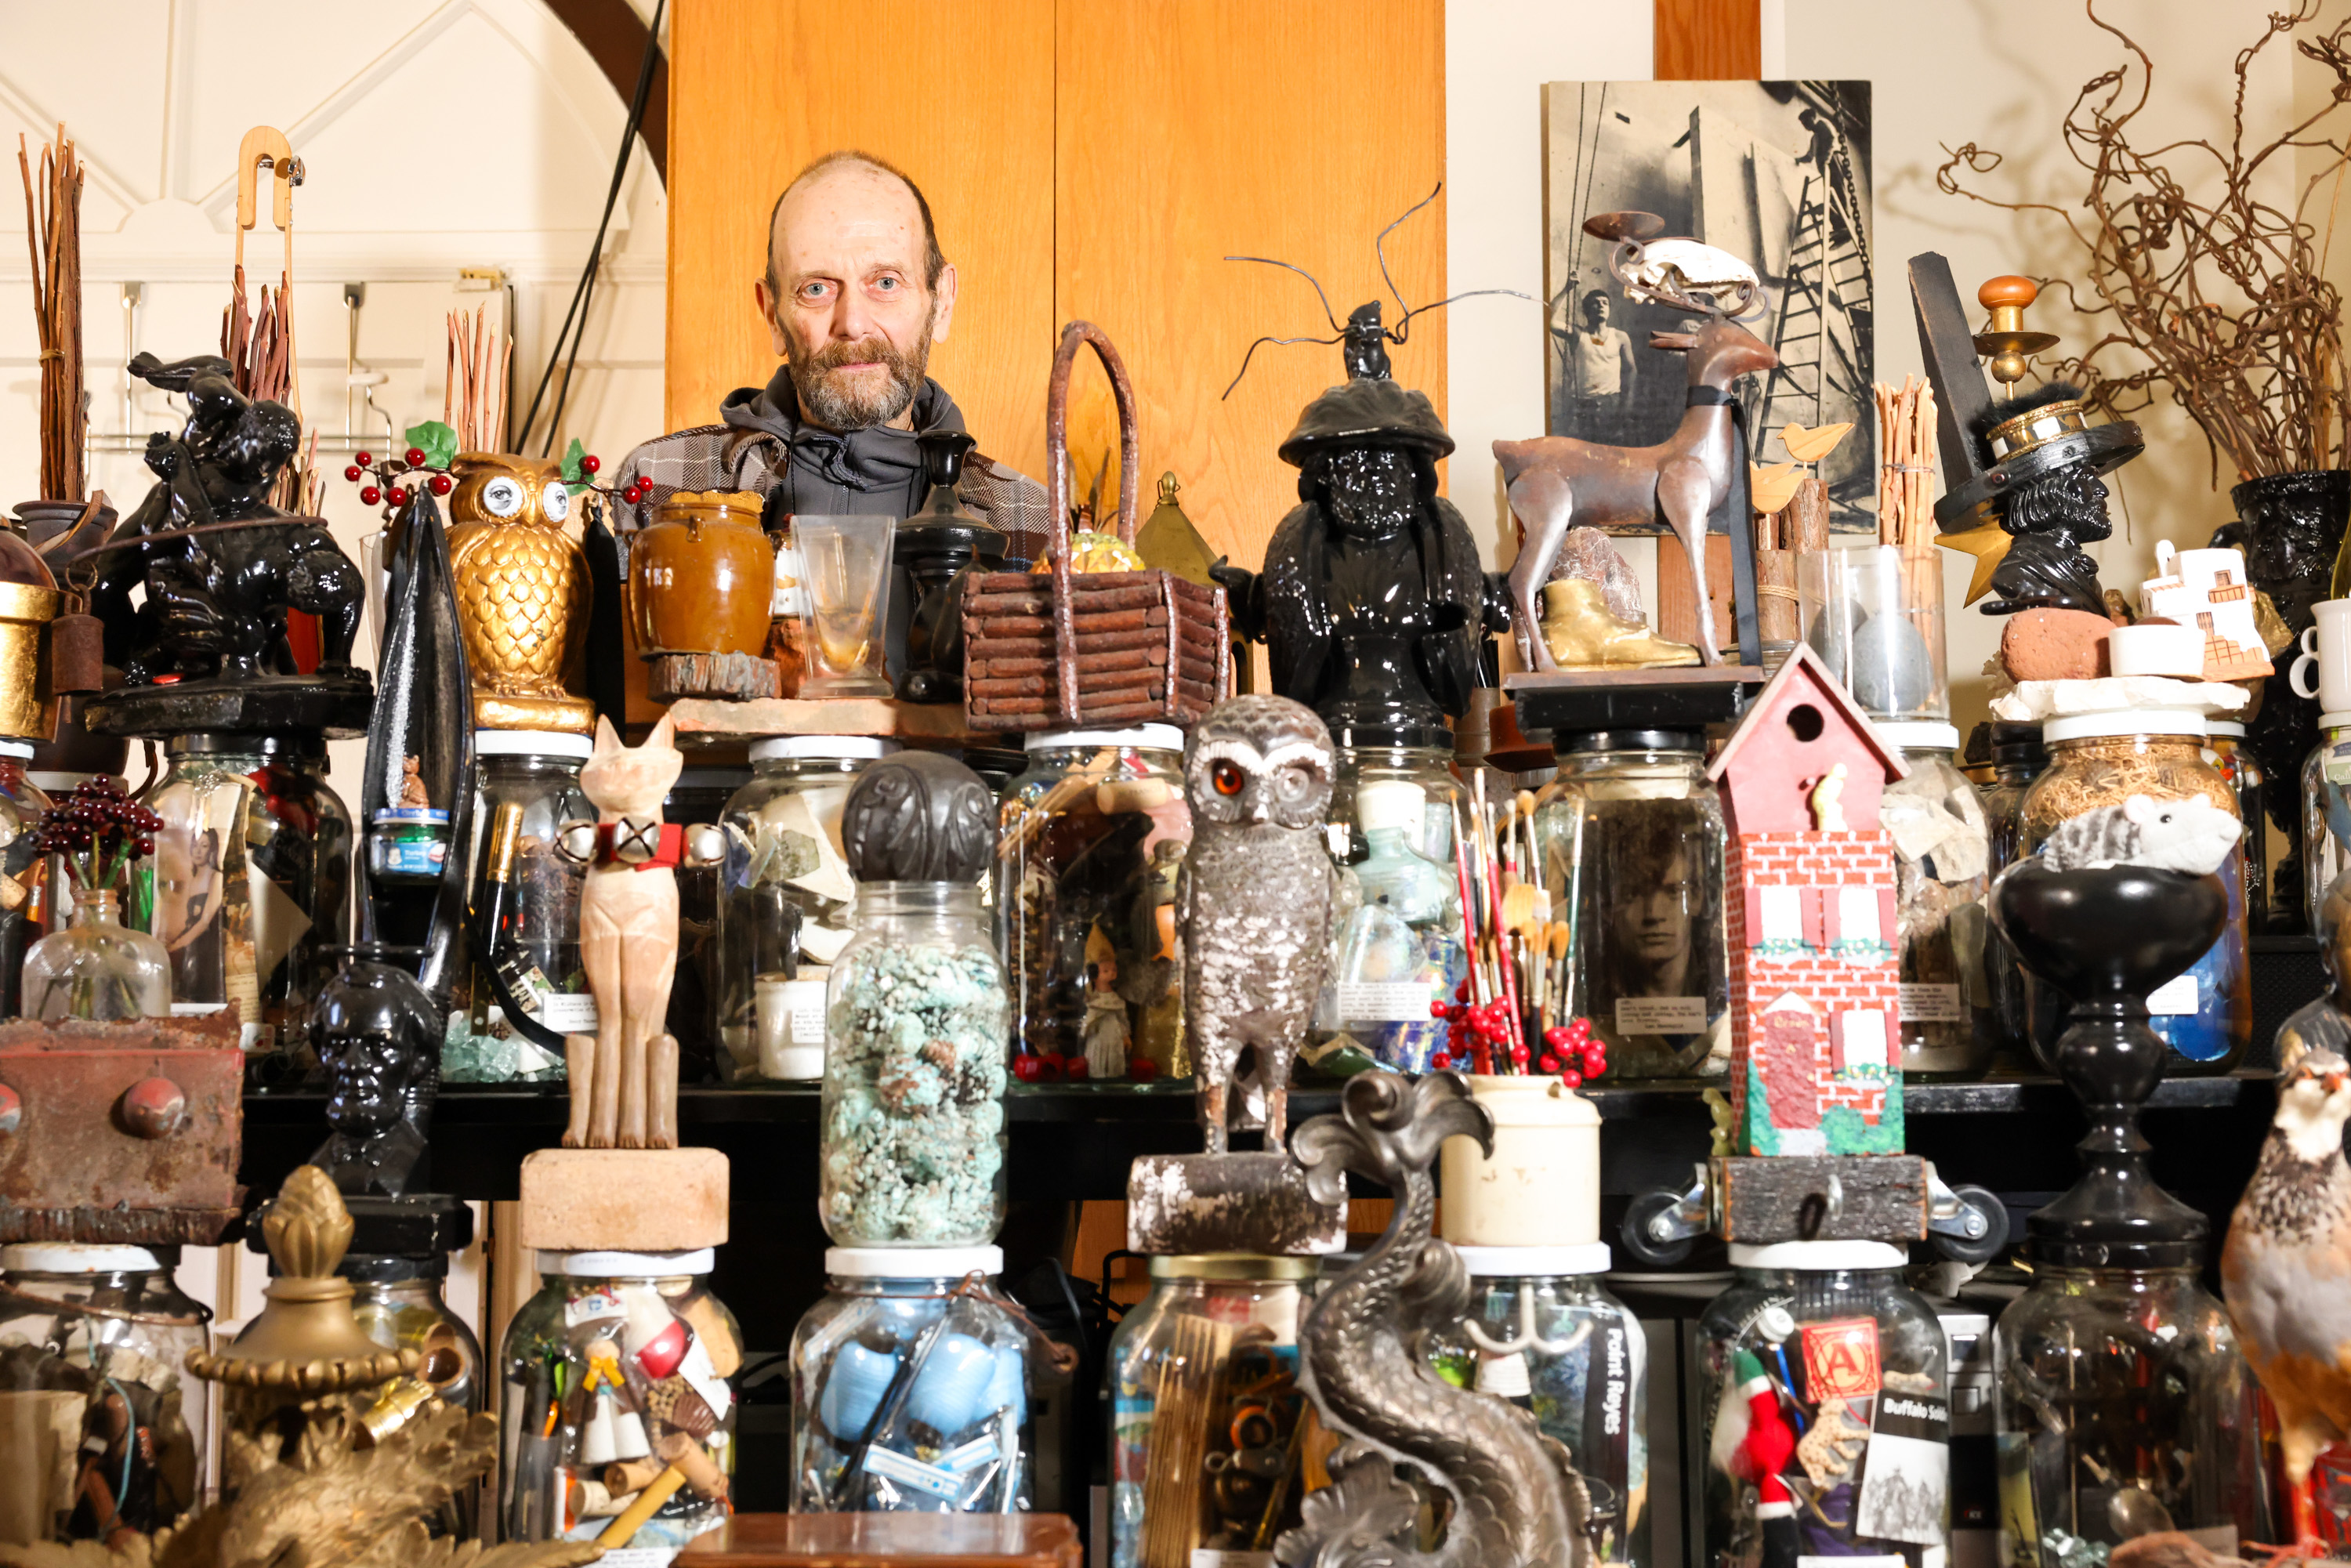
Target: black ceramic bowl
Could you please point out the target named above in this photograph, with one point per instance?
(2120, 931)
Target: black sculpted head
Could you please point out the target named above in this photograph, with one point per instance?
(918, 816)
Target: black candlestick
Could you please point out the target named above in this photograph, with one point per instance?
(2107, 938)
(936, 548)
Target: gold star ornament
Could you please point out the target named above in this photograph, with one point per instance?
(1988, 542)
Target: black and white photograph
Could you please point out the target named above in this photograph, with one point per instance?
(1774, 172)
(1906, 1473)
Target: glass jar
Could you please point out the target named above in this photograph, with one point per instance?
(98, 968)
(2018, 758)
(2124, 1406)
(1941, 875)
(2224, 748)
(1632, 837)
(618, 1367)
(1875, 618)
(1410, 756)
(2100, 759)
(1551, 1339)
(526, 786)
(2326, 812)
(104, 1429)
(1090, 840)
(784, 897)
(910, 1388)
(1398, 948)
(916, 1024)
(21, 804)
(1205, 1411)
(698, 798)
(397, 1303)
(1825, 1383)
(308, 858)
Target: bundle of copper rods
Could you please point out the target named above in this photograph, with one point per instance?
(53, 235)
(474, 398)
(1906, 485)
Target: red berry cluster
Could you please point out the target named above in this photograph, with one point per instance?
(1570, 1050)
(1051, 1067)
(1473, 1032)
(387, 491)
(97, 829)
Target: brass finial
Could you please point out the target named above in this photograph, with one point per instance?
(2008, 343)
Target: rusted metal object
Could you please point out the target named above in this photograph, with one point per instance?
(1065, 648)
(121, 1132)
(1182, 1204)
(1761, 1200)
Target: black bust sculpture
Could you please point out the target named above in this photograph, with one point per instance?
(221, 565)
(1372, 600)
(2055, 507)
(378, 1035)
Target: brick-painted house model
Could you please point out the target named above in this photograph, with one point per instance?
(1815, 977)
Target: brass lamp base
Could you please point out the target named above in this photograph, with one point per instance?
(563, 714)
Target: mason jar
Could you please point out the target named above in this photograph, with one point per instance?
(1941, 875)
(2326, 812)
(1632, 838)
(2124, 1406)
(2096, 760)
(526, 909)
(1397, 951)
(784, 897)
(309, 858)
(917, 1026)
(2224, 742)
(1543, 1333)
(1825, 1388)
(105, 1430)
(910, 1387)
(1191, 1476)
(200, 883)
(1410, 756)
(621, 1366)
(22, 801)
(1091, 838)
(2018, 758)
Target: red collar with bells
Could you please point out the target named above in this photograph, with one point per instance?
(661, 845)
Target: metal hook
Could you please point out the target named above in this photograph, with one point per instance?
(1526, 1338)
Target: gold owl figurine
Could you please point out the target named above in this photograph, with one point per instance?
(522, 591)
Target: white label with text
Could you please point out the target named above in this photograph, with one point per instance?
(2174, 998)
(1384, 1001)
(1661, 1015)
(1924, 1002)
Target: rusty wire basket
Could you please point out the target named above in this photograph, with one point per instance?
(1069, 650)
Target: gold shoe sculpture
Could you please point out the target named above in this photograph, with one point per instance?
(1584, 633)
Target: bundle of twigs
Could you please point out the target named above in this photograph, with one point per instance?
(1906, 485)
(53, 235)
(2225, 300)
(473, 397)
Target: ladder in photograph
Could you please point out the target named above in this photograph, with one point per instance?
(1828, 276)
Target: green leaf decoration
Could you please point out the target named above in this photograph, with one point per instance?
(571, 457)
(436, 440)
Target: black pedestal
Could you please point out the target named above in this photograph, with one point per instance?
(339, 705)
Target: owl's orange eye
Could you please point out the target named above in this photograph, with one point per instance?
(1227, 778)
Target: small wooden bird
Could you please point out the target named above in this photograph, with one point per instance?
(2286, 1272)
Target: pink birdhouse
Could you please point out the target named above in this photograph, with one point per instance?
(1815, 968)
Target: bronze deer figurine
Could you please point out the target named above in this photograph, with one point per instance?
(1557, 482)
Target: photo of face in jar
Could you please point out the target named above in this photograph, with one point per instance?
(1649, 934)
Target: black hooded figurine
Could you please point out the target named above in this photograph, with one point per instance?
(2049, 515)
(378, 1035)
(1373, 601)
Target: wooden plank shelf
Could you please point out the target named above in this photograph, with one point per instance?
(713, 721)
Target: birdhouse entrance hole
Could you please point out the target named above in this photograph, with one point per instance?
(1805, 721)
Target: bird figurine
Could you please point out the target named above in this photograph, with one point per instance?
(1254, 897)
(522, 591)
(2286, 1273)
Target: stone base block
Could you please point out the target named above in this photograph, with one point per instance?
(624, 1200)
(1259, 1203)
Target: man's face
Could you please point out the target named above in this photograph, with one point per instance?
(1371, 491)
(368, 1078)
(848, 311)
(1595, 310)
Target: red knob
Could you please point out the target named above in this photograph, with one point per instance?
(12, 1109)
(154, 1108)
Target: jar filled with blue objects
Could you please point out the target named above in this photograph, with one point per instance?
(910, 1387)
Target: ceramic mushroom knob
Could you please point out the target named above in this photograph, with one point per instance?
(154, 1108)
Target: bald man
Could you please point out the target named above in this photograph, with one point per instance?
(855, 293)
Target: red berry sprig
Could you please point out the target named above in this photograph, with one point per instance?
(393, 483)
(1570, 1050)
(98, 828)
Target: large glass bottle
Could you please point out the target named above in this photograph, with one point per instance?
(2224, 744)
(307, 861)
(1399, 950)
(1941, 873)
(97, 968)
(2018, 758)
(784, 897)
(1632, 838)
(2326, 813)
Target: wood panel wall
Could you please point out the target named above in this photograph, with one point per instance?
(1085, 160)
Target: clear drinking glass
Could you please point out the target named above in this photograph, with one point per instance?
(845, 571)
(1877, 621)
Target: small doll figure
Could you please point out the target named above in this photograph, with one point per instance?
(411, 782)
(1107, 1034)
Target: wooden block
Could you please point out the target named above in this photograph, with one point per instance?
(706, 721)
(1677, 617)
(733, 677)
(887, 1541)
(1761, 1199)
(624, 1200)
(1178, 1204)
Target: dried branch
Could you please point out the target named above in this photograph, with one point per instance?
(2225, 301)
(53, 235)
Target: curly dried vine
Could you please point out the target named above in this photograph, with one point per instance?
(2225, 300)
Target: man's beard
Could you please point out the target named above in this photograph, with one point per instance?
(828, 398)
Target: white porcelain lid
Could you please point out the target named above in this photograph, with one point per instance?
(1143, 737)
(2325, 721)
(2123, 721)
(532, 743)
(1820, 1255)
(1544, 1262)
(1916, 734)
(913, 1263)
(847, 748)
(22, 750)
(628, 1265)
(2230, 729)
(62, 1257)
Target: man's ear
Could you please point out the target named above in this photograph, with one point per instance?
(764, 303)
(942, 304)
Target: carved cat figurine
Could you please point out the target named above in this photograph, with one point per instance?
(624, 1079)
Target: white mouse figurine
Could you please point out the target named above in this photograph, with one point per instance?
(2191, 835)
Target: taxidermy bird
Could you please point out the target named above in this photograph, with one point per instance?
(2286, 1272)
(1255, 898)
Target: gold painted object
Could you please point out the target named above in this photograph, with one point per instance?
(1584, 633)
(1092, 551)
(29, 600)
(522, 591)
(1168, 541)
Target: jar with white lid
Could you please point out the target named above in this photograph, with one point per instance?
(1091, 838)
(1941, 875)
(618, 1419)
(1367, 755)
(784, 900)
(1399, 950)
(1824, 1389)
(2326, 812)
(1543, 1333)
(526, 911)
(2101, 760)
(910, 1386)
(104, 1428)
